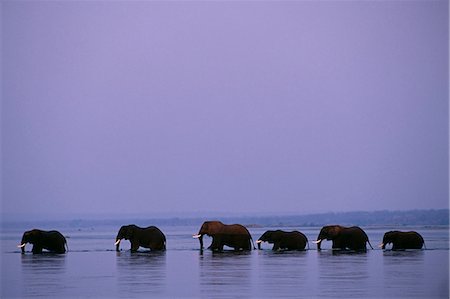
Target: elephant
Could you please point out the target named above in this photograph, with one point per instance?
(403, 240)
(294, 240)
(52, 241)
(149, 237)
(232, 235)
(353, 238)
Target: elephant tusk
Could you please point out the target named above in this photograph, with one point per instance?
(21, 245)
(117, 242)
(318, 241)
(258, 241)
(196, 236)
(381, 245)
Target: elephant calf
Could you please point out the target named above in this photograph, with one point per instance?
(402, 240)
(149, 237)
(294, 240)
(52, 241)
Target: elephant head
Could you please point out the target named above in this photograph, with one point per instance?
(125, 232)
(329, 232)
(209, 228)
(389, 237)
(32, 236)
(270, 236)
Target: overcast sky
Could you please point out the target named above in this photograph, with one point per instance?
(252, 107)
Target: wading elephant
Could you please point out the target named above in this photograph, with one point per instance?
(353, 238)
(294, 240)
(233, 235)
(52, 241)
(402, 240)
(149, 237)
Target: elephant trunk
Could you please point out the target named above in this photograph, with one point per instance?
(259, 244)
(200, 238)
(318, 242)
(201, 241)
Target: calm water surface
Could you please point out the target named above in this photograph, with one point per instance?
(93, 269)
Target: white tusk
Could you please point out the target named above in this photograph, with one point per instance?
(258, 241)
(21, 245)
(196, 236)
(318, 241)
(381, 245)
(117, 242)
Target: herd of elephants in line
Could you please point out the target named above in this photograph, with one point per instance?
(235, 236)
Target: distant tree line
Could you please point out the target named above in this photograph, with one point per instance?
(361, 218)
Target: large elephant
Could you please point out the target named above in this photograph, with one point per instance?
(52, 241)
(233, 235)
(353, 238)
(403, 240)
(149, 237)
(294, 240)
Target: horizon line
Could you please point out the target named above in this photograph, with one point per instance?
(8, 217)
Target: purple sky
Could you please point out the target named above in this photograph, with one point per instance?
(253, 107)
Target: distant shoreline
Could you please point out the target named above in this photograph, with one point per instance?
(438, 217)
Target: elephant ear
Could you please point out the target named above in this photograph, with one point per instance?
(334, 230)
(31, 235)
(130, 233)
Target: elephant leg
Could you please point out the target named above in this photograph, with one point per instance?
(276, 246)
(335, 245)
(215, 244)
(248, 245)
(36, 249)
(134, 246)
(358, 246)
(60, 248)
(338, 244)
(157, 246)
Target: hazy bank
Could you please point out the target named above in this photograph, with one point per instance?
(362, 218)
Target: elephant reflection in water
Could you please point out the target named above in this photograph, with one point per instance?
(233, 235)
(353, 238)
(403, 240)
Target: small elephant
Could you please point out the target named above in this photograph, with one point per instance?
(149, 237)
(52, 241)
(403, 240)
(233, 235)
(353, 238)
(294, 240)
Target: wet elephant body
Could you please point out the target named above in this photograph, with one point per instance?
(403, 240)
(283, 240)
(53, 241)
(235, 236)
(149, 237)
(344, 238)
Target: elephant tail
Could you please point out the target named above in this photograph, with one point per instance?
(369, 243)
(254, 248)
(67, 246)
